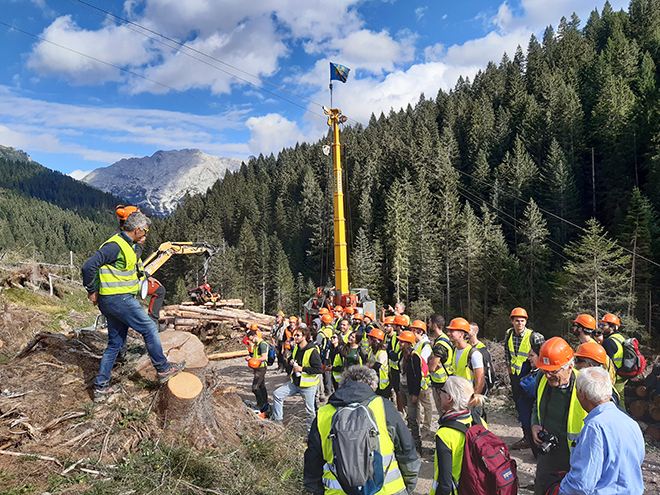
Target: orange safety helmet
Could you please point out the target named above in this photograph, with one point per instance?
(459, 324)
(400, 320)
(123, 212)
(349, 310)
(389, 320)
(610, 318)
(370, 316)
(377, 333)
(324, 311)
(554, 354)
(587, 321)
(519, 312)
(254, 327)
(338, 308)
(280, 313)
(592, 350)
(407, 336)
(293, 319)
(357, 316)
(419, 324)
(326, 318)
(254, 363)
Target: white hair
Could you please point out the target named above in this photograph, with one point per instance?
(595, 384)
(357, 373)
(462, 393)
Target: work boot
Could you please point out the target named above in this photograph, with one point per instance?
(521, 444)
(101, 395)
(174, 370)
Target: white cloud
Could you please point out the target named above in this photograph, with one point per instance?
(271, 133)
(434, 53)
(79, 174)
(479, 52)
(420, 12)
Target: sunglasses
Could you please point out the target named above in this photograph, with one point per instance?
(596, 334)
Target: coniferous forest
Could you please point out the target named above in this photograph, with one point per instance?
(535, 184)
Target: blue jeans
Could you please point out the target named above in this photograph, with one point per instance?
(123, 311)
(287, 390)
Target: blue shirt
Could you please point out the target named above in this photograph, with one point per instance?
(608, 456)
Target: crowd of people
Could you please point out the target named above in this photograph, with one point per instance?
(569, 401)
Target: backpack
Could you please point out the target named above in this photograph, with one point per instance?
(357, 461)
(489, 369)
(487, 468)
(271, 354)
(633, 363)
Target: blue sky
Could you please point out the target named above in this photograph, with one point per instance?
(73, 109)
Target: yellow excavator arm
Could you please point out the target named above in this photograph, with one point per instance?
(168, 249)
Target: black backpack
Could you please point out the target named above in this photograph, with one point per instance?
(357, 461)
(489, 369)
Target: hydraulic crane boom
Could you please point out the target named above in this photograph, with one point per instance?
(168, 249)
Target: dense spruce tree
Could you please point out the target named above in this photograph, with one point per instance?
(534, 253)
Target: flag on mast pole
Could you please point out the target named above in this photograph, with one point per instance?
(338, 72)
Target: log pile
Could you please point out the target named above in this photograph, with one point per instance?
(206, 321)
(643, 402)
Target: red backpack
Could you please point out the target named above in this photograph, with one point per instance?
(487, 468)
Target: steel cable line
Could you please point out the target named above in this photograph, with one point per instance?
(114, 66)
(199, 52)
(559, 218)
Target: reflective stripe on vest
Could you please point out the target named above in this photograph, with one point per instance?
(426, 380)
(394, 364)
(307, 380)
(576, 415)
(383, 371)
(255, 350)
(337, 362)
(518, 359)
(393, 483)
(618, 356)
(440, 375)
(455, 441)
(461, 367)
(122, 279)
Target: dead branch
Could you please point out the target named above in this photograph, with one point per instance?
(66, 417)
(40, 457)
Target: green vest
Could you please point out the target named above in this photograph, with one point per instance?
(307, 380)
(122, 278)
(517, 359)
(393, 483)
(618, 356)
(440, 375)
(576, 414)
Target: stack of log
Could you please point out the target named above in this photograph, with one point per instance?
(643, 402)
(205, 321)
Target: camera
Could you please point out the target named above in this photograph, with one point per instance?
(550, 442)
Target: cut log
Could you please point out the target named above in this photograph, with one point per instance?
(638, 408)
(654, 397)
(228, 355)
(654, 412)
(185, 386)
(640, 391)
(654, 432)
(184, 322)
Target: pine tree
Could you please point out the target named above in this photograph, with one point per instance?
(398, 228)
(596, 277)
(560, 193)
(534, 252)
(281, 282)
(470, 249)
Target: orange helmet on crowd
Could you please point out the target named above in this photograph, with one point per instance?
(518, 312)
(554, 354)
(370, 315)
(419, 324)
(377, 333)
(357, 316)
(123, 212)
(326, 318)
(400, 320)
(592, 350)
(349, 310)
(586, 321)
(407, 336)
(389, 320)
(459, 324)
(323, 311)
(254, 327)
(612, 319)
(338, 309)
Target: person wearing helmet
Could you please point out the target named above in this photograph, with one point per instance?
(465, 361)
(379, 361)
(348, 355)
(357, 323)
(440, 360)
(412, 379)
(518, 341)
(592, 354)
(399, 309)
(369, 321)
(613, 345)
(289, 342)
(323, 342)
(394, 355)
(259, 353)
(583, 326)
(423, 348)
(278, 337)
(609, 451)
(344, 329)
(556, 413)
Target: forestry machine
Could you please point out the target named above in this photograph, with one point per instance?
(341, 294)
(166, 250)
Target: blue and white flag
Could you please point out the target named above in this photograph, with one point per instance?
(338, 72)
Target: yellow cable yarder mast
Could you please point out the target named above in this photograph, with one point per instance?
(341, 252)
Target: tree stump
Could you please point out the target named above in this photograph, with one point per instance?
(653, 432)
(654, 412)
(638, 408)
(640, 391)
